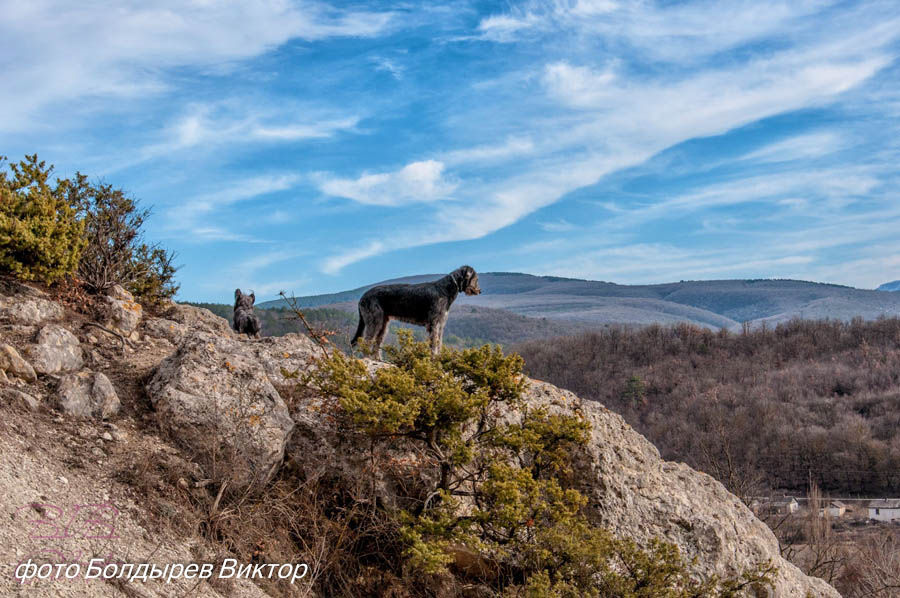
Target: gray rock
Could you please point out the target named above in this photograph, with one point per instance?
(638, 495)
(87, 394)
(180, 320)
(122, 312)
(20, 398)
(198, 318)
(13, 363)
(57, 351)
(630, 489)
(213, 397)
(168, 330)
(279, 355)
(21, 304)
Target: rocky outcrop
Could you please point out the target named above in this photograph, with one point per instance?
(24, 305)
(57, 351)
(181, 320)
(636, 494)
(13, 363)
(87, 394)
(283, 356)
(123, 313)
(630, 489)
(22, 399)
(213, 397)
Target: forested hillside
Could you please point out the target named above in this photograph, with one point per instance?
(767, 408)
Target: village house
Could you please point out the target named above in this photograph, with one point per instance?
(884, 509)
(785, 506)
(834, 508)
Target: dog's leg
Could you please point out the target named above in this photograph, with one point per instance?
(431, 329)
(382, 332)
(437, 336)
(376, 322)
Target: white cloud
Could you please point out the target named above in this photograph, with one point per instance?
(558, 226)
(579, 86)
(209, 126)
(296, 132)
(414, 183)
(799, 147)
(513, 147)
(193, 214)
(336, 263)
(623, 122)
(390, 66)
(674, 32)
(503, 28)
(55, 51)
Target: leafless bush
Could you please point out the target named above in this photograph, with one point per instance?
(116, 252)
(804, 399)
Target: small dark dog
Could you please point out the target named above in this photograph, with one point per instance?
(245, 321)
(426, 304)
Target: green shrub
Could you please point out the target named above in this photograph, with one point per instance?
(40, 231)
(502, 488)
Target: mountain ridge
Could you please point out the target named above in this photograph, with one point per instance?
(708, 303)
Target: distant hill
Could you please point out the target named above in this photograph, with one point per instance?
(584, 304)
(890, 286)
(469, 325)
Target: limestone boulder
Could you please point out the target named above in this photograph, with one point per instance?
(181, 320)
(19, 398)
(122, 312)
(637, 494)
(87, 394)
(24, 305)
(213, 397)
(56, 351)
(14, 365)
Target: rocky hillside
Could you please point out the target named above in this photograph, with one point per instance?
(145, 439)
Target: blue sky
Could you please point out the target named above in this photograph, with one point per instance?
(316, 147)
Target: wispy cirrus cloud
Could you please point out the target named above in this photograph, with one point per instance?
(608, 119)
(799, 147)
(209, 126)
(56, 52)
(557, 226)
(417, 182)
(194, 214)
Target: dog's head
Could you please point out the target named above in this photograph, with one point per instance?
(467, 280)
(242, 301)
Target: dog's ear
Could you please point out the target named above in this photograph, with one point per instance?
(459, 277)
(252, 297)
(237, 294)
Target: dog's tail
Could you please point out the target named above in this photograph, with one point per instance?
(359, 330)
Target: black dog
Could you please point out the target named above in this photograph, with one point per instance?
(426, 304)
(245, 321)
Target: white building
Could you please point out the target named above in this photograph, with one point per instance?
(785, 505)
(884, 509)
(835, 508)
